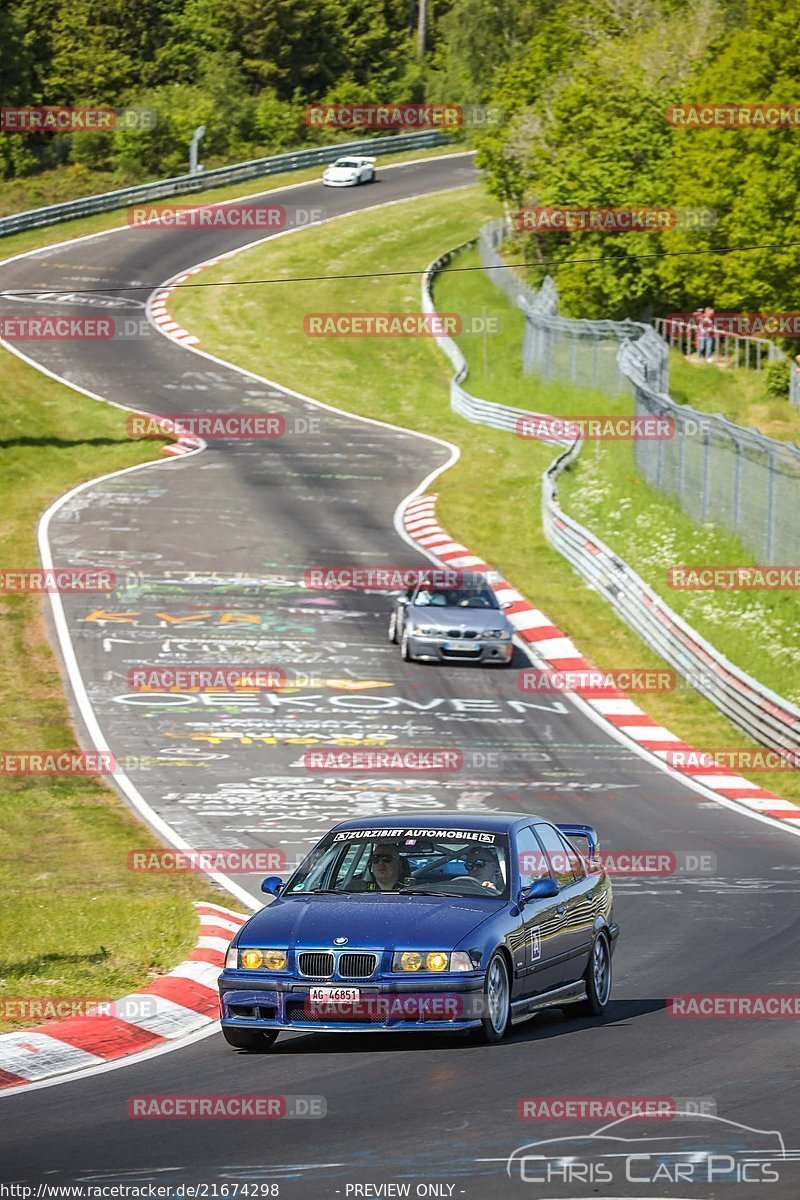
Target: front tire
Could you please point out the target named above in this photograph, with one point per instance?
(405, 649)
(253, 1041)
(496, 1000)
(393, 628)
(598, 978)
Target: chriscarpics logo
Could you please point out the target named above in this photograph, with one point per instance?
(692, 1148)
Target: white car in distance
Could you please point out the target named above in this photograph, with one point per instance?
(349, 172)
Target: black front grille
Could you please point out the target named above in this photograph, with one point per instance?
(357, 966)
(317, 965)
(301, 1012)
(462, 633)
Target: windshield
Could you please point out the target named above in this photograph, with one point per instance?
(463, 597)
(425, 862)
(345, 162)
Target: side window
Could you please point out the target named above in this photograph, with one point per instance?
(560, 855)
(573, 857)
(531, 862)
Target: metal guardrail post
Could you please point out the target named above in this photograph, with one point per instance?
(737, 484)
(771, 490)
(706, 486)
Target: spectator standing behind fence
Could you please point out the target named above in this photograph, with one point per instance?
(694, 326)
(705, 342)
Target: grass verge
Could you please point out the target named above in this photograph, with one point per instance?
(74, 921)
(490, 499)
(739, 394)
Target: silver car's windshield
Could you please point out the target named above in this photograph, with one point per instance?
(460, 865)
(463, 597)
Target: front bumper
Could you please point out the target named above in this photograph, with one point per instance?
(339, 182)
(476, 649)
(441, 1004)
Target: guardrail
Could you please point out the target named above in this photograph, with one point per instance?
(480, 412)
(761, 713)
(181, 185)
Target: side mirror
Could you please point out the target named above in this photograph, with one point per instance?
(542, 889)
(272, 885)
(403, 599)
(507, 604)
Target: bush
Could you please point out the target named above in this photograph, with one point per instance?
(776, 380)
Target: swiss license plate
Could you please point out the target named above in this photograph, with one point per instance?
(461, 644)
(333, 995)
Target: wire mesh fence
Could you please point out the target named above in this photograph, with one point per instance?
(560, 349)
(716, 470)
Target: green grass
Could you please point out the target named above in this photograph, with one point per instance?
(74, 921)
(737, 393)
(490, 499)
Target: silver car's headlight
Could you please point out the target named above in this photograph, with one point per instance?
(502, 634)
(426, 631)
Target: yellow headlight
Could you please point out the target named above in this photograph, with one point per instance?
(437, 961)
(411, 961)
(274, 960)
(252, 959)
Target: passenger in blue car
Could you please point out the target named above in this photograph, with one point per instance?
(483, 866)
(387, 871)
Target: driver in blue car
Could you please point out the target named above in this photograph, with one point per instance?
(483, 866)
(387, 870)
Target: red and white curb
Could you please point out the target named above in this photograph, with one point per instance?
(185, 443)
(160, 316)
(157, 304)
(178, 1003)
(560, 653)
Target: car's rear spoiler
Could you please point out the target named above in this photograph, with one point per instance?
(583, 831)
(371, 161)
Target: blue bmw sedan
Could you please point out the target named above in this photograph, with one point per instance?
(435, 923)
